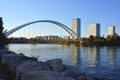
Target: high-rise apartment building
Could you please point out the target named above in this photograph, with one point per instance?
(94, 29)
(76, 27)
(111, 30)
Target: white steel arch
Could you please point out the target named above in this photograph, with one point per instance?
(71, 32)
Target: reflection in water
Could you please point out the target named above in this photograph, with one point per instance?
(94, 55)
(75, 55)
(111, 56)
(94, 61)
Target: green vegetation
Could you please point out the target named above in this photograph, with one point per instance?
(3, 38)
(109, 40)
(64, 42)
(91, 40)
(67, 42)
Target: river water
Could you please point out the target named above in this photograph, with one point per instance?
(95, 61)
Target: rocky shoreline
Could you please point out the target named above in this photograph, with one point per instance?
(26, 68)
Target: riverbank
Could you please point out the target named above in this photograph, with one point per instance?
(76, 43)
(100, 44)
(26, 68)
(62, 42)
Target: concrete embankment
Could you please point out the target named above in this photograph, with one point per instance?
(25, 68)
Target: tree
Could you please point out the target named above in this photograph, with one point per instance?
(3, 38)
(91, 38)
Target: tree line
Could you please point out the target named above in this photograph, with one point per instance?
(109, 40)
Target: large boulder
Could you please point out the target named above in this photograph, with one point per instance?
(13, 60)
(55, 65)
(43, 75)
(7, 58)
(31, 66)
(71, 71)
(9, 52)
(4, 53)
(83, 77)
(14, 63)
(68, 73)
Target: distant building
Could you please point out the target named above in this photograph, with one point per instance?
(45, 37)
(50, 37)
(111, 30)
(18, 40)
(53, 37)
(66, 37)
(39, 37)
(94, 29)
(76, 27)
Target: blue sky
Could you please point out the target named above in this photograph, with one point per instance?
(17, 12)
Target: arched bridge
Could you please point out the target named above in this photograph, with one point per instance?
(71, 32)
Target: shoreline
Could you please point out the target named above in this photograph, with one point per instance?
(22, 67)
(76, 44)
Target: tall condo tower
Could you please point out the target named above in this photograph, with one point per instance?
(76, 27)
(94, 29)
(111, 30)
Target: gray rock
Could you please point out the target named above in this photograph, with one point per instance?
(55, 65)
(13, 64)
(13, 60)
(82, 77)
(7, 58)
(9, 52)
(90, 78)
(43, 75)
(4, 53)
(31, 66)
(65, 78)
(71, 71)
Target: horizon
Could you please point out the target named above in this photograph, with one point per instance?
(15, 13)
